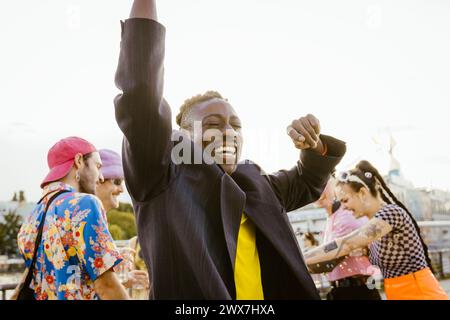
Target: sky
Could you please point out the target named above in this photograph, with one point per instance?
(366, 69)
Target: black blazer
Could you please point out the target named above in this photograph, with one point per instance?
(188, 215)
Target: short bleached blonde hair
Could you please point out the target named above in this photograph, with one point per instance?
(189, 103)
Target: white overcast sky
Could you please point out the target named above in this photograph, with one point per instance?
(364, 68)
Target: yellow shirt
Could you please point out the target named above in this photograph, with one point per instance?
(247, 271)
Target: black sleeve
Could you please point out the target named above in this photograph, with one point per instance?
(141, 112)
(305, 182)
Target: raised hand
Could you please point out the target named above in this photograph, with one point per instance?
(144, 9)
(305, 132)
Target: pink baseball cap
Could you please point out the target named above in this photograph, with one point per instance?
(61, 156)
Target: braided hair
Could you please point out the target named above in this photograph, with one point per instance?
(377, 186)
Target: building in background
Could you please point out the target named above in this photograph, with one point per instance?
(17, 204)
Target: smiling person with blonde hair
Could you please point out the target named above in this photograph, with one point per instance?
(210, 230)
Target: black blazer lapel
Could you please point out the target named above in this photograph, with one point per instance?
(272, 221)
(266, 212)
(232, 201)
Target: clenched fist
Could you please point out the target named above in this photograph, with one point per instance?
(305, 132)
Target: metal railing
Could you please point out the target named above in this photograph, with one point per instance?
(6, 287)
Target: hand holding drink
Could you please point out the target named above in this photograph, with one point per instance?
(127, 264)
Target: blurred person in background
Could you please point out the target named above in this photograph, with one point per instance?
(310, 242)
(108, 191)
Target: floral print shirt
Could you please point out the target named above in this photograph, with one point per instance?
(76, 246)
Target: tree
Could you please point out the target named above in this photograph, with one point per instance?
(124, 220)
(8, 233)
(116, 232)
(122, 224)
(125, 207)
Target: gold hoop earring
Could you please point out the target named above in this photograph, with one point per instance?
(77, 176)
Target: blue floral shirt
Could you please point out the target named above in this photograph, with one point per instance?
(76, 246)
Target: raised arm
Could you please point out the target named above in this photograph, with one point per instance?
(373, 230)
(305, 182)
(144, 9)
(141, 112)
(320, 154)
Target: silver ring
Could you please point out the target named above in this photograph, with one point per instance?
(289, 129)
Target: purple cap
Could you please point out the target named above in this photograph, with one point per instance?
(111, 164)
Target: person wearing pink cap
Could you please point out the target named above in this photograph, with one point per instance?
(108, 190)
(68, 250)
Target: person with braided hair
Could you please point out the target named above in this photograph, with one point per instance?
(392, 235)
